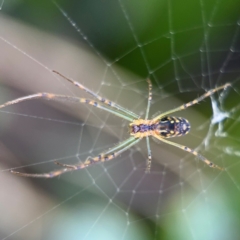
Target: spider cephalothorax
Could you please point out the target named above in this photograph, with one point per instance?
(160, 127)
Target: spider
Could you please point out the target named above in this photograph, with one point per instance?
(160, 127)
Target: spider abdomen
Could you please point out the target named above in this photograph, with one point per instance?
(167, 127)
(173, 127)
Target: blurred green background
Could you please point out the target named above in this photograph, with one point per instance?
(185, 48)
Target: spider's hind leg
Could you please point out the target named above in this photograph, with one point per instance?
(195, 101)
(187, 149)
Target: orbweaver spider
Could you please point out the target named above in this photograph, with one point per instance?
(160, 127)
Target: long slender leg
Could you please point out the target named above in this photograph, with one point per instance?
(70, 168)
(149, 98)
(149, 161)
(195, 101)
(51, 96)
(103, 100)
(119, 145)
(187, 149)
(101, 155)
(51, 174)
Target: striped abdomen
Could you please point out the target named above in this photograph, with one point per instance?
(173, 127)
(167, 127)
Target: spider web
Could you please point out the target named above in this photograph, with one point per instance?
(112, 47)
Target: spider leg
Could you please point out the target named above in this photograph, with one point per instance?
(102, 100)
(51, 174)
(187, 149)
(56, 97)
(89, 161)
(113, 149)
(149, 97)
(149, 161)
(195, 101)
(120, 145)
(103, 157)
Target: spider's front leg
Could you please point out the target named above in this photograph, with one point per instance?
(51, 174)
(103, 157)
(101, 99)
(108, 155)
